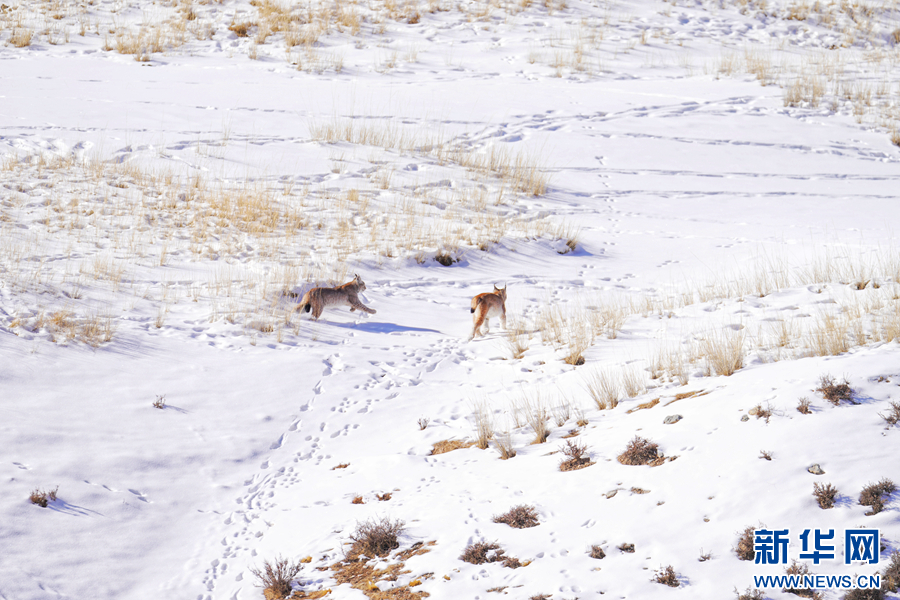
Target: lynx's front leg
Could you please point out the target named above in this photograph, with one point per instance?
(357, 304)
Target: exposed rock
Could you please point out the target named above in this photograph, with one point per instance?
(816, 470)
(745, 418)
(611, 493)
(753, 411)
(672, 419)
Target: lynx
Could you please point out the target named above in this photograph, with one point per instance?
(485, 306)
(317, 299)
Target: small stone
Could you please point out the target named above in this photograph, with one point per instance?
(672, 419)
(753, 411)
(611, 493)
(745, 418)
(816, 470)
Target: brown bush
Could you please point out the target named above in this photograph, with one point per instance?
(626, 547)
(893, 416)
(519, 517)
(744, 548)
(575, 456)
(597, 552)
(276, 577)
(803, 406)
(666, 576)
(834, 392)
(640, 451)
(43, 498)
(376, 537)
(825, 494)
(873, 495)
(890, 577)
(480, 553)
(801, 569)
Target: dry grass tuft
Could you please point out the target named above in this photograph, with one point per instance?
(749, 594)
(597, 552)
(43, 498)
(480, 553)
(893, 416)
(803, 406)
(626, 547)
(449, 446)
(874, 495)
(522, 516)
(666, 576)
(375, 537)
(160, 402)
(835, 392)
(505, 446)
(484, 426)
(825, 494)
(640, 451)
(745, 547)
(724, 352)
(276, 578)
(603, 389)
(575, 457)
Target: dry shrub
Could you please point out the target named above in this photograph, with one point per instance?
(160, 402)
(597, 552)
(893, 417)
(357, 500)
(765, 454)
(522, 516)
(801, 569)
(480, 553)
(449, 445)
(640, 451)
(43, 498)
(241, 29)
(576, 458)
(749, 594)
(890, 577)
(666, 576)
(825, 494)
(384, 497)
(864, 594)
(626, 547)
(376, 537)
(276, 577)
(834, 392)
(744, 548)
(762, 413)
(803, 406)
(874, 493)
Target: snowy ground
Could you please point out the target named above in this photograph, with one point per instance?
(724, 171)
